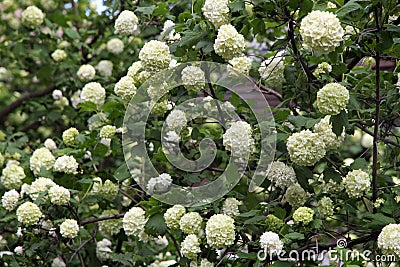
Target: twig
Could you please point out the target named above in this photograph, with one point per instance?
(386, 141)
(110, 217)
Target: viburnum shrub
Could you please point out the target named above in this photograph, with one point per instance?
(199, 133)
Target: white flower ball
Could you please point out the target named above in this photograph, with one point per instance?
(173, 215)
(108, 131)
(115, 46)
(86, 73)
(357, 183)
(134, 221)
(12, 175)
(238, 139)
(10, 200)
(321, 31)
(176, 119)
(229, 42)
(271, 243)
(322, 68)
(40, 185)
(125, 88)
(325, 207)
(217, 12)
(28, 213)
(69, 228)
(332, 99)
(66, 164)
(220, 231)
(112, 226)
(231, 206)
(193, 78)
(105, 68)
(239, 64)
(32, 17)
(126, 23)
(303, 215)
(305, 148)
(324, 129)
(281, 175)
(59, 55)
(69, 136)
(295, 195)
(190, 223)
(160, 184)
(50, 144)
(389, 239)
(190, 246)
(59, 195)
(172, 36)
(155, 56)
(93, 92)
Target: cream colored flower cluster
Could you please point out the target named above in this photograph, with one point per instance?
(325, 207)
(321, 31)
(86, 73)
(66, 164)
(176, 119)
(332, 99)
(41, 157)
(108, 189)
(271, 243)
(172, 35)
(125, 88)
(389, 239)
(190, 223)
(238, 139)
(134, 221)
(173, 215)
(12, 175)
(306, 148)
(29, 213)
(93, 92)
(324, 129)
(231, 206)
(112, 226)
(32, 17)
(240, 64)
(40, 185)
(105, 68)
(126, 23)
(10, 200)
(155, 56)
(59, 55)
(103, 249)
(220, 231)
(190, 246)
(69, 136)
(115, 46)
(217, 12)
(322, 68)
(229, 43)
(59, 195)
(357, 183)
(108, 131)
(69, 228)
(303, 215)
(160, 184)
(193, 78)
(272, 71)
(295, 195)
(281, 175)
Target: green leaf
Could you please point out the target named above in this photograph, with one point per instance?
(255, 219)
(156, 225)
(332, 174)
(294, 236)
(125, 259)
(378, 220)
(238, 5)
(339, 122)
(250, 256)
(71, 33)
(347, 8)
(303, 174)
(87, 106)
(359, 163)
(146, 10)
(248, 214)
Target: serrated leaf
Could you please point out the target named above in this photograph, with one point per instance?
(156, 225)
(303, 174)
(339, 122)
(146, 10)
(71, 33)
(347, 8)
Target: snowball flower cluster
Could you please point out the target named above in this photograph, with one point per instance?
(295, 195)
(134, 221)
(115, 46)
(69, 228)
(332, 98)
(229, 42)
(193, 78)
(321, 31)
(12, 175)
(217, 12)
(239, 64)
(105, 68)
(281, 175)
(271, 243)
(112, 226)
(59, 55)
(273, 223)
(168, 27)
(41, 157)
(58, 262)
(238, 139)
(86, 73)
(108, 190)
(176, 119)
(50, 144)
(190, 247)
(126, 23)
(305, 148)
(10, 200)
(220, 231)
(389, 239)
(272, 71)
(322, 68)
(173, 215)
(303, 215)
(93, 92)
(32, 17)
(40, 185)
(69, 136)
(155, 56)
(66, 164)
(108, 131)
(59, 195)
(28, 213)
(325, 207)
(160, 184)
(190, 223)
(231, 206)
(357, 183)
(103, 249)
(324, 129)
(125, 88)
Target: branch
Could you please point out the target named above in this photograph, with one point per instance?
(25, 97)
(110, 217)
(386, 141)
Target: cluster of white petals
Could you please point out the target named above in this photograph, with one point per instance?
(93, 92)
(306, 148)
(86, 73)
(281, 175)
(220, 231)
(357, 183)
(229, 43)
(69, 228)
(66, 164)
(173, 215)
(134, 221)
(217, 12)
(32, 17)
(155, 56)
(271, 243)
(126, 23)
